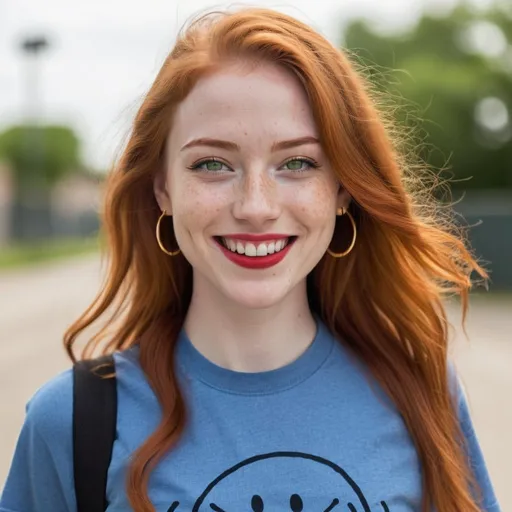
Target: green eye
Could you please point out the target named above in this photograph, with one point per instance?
(210, 165)
(213, 165)
(299, 164)
(295, 165)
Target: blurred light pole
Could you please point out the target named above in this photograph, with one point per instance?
(33, 47)
(32, 215)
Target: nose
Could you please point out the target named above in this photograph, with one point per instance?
(257, 199)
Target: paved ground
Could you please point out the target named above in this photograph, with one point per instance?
(37, 305)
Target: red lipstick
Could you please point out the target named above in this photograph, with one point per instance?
(256, 262)
(251, 237)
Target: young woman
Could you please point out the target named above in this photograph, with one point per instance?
(274, 300)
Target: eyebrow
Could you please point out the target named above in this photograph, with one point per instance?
(232, 146)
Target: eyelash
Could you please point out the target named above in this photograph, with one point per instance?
(312, 163)
(309, 161)
(197, 165)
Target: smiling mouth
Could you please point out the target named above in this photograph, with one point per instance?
(333, 504)
(254, 249)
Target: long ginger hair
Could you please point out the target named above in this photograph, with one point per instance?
(384, 300)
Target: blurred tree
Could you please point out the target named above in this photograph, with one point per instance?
(452, 79)
(38, 156)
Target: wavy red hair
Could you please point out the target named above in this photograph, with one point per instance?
(384, 300)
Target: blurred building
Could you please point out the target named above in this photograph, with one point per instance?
(5, 203)
(489, 215)
(75, 203)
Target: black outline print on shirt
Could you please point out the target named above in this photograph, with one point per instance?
(354, 503)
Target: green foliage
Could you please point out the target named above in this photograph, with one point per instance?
(438, 80)
(40, 155)
(28, 254)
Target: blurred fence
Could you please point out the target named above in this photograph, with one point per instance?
(490, 215)
(37, 224)
(69, 210)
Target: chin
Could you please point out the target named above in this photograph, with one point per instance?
(257, 295)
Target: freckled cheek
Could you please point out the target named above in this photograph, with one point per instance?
(197, 207)
(315, 203)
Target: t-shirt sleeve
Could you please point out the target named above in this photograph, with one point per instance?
(488, 501)
(41, 474)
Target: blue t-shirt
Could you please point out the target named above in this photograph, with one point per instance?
(315, 435)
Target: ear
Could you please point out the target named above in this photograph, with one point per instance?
(343, 199)
(161, 191)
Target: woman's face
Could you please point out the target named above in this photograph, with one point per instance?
(251, 192)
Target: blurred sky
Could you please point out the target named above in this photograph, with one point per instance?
(105, 53)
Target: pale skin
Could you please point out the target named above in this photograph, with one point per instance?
(243, 319)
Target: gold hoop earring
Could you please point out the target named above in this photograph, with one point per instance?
(160, 244)
(341, 212)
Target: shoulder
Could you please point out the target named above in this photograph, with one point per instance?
(50, 409)
(471, 442)
(132, 382)
(41, 473)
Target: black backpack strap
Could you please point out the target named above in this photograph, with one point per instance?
(94, 430)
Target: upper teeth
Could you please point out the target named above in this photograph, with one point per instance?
(251, 249)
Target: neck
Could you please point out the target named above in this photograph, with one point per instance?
(249, 340)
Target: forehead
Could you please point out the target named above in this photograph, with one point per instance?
(264, 100)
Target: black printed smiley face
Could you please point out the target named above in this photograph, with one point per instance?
(276, 481)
